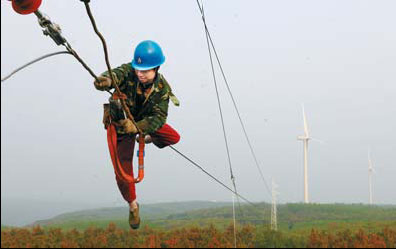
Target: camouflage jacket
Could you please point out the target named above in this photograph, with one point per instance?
(148, 107)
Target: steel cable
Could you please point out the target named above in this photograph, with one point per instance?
(34, 61)
(211, 176)
(233, 100)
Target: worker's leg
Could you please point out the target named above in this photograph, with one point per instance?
(125, 149)
(165, 136)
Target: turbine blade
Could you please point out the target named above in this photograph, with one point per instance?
(318, 140)
(369, 160)
(305, 123)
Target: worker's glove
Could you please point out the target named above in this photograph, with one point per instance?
(103, 83)
(128, 126)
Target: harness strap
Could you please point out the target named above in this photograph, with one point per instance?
(112, 143)
(141, 158)
(119, 171)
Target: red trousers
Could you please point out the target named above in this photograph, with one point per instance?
(163, 137)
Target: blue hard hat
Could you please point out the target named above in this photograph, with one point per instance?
(148, 55)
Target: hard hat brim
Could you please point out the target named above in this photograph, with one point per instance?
(142, 67)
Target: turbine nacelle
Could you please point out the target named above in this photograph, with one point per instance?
(303, 138)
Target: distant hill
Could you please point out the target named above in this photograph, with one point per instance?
(301, 217)
(187, 214)
(298, 212)
(148, 211)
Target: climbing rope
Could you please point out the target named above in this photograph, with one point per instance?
(121, 97)
(114, 84)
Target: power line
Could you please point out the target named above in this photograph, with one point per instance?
(34, 61)
(222, 123)
(233, 100)
(219, 106)
(211, 176)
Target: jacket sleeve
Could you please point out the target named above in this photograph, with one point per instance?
(120, 74)
(157, 116)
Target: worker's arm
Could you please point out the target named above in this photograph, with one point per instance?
(120, 74)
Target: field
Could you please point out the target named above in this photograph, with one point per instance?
(210, 225)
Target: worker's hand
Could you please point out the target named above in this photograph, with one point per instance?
(147, 139)
(103, 83)
(128, 126)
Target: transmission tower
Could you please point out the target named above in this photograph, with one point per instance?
(274, 218)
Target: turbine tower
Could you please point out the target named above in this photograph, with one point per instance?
(370, 173)
(274, 215)
(305, 138)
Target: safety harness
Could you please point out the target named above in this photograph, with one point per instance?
(110, 126)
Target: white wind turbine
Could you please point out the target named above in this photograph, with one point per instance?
(305, 138)
(370, 173)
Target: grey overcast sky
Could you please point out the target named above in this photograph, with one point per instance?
(337, 57)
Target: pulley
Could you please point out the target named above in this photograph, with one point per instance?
(25, 7)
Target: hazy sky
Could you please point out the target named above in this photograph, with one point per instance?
(336, 57)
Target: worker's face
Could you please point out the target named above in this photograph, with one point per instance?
(145, 76)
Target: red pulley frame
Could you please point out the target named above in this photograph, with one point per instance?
(25, 7)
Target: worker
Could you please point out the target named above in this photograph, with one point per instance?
(147, 97)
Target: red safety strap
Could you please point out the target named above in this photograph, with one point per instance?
(141, 159)
(119, 171)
